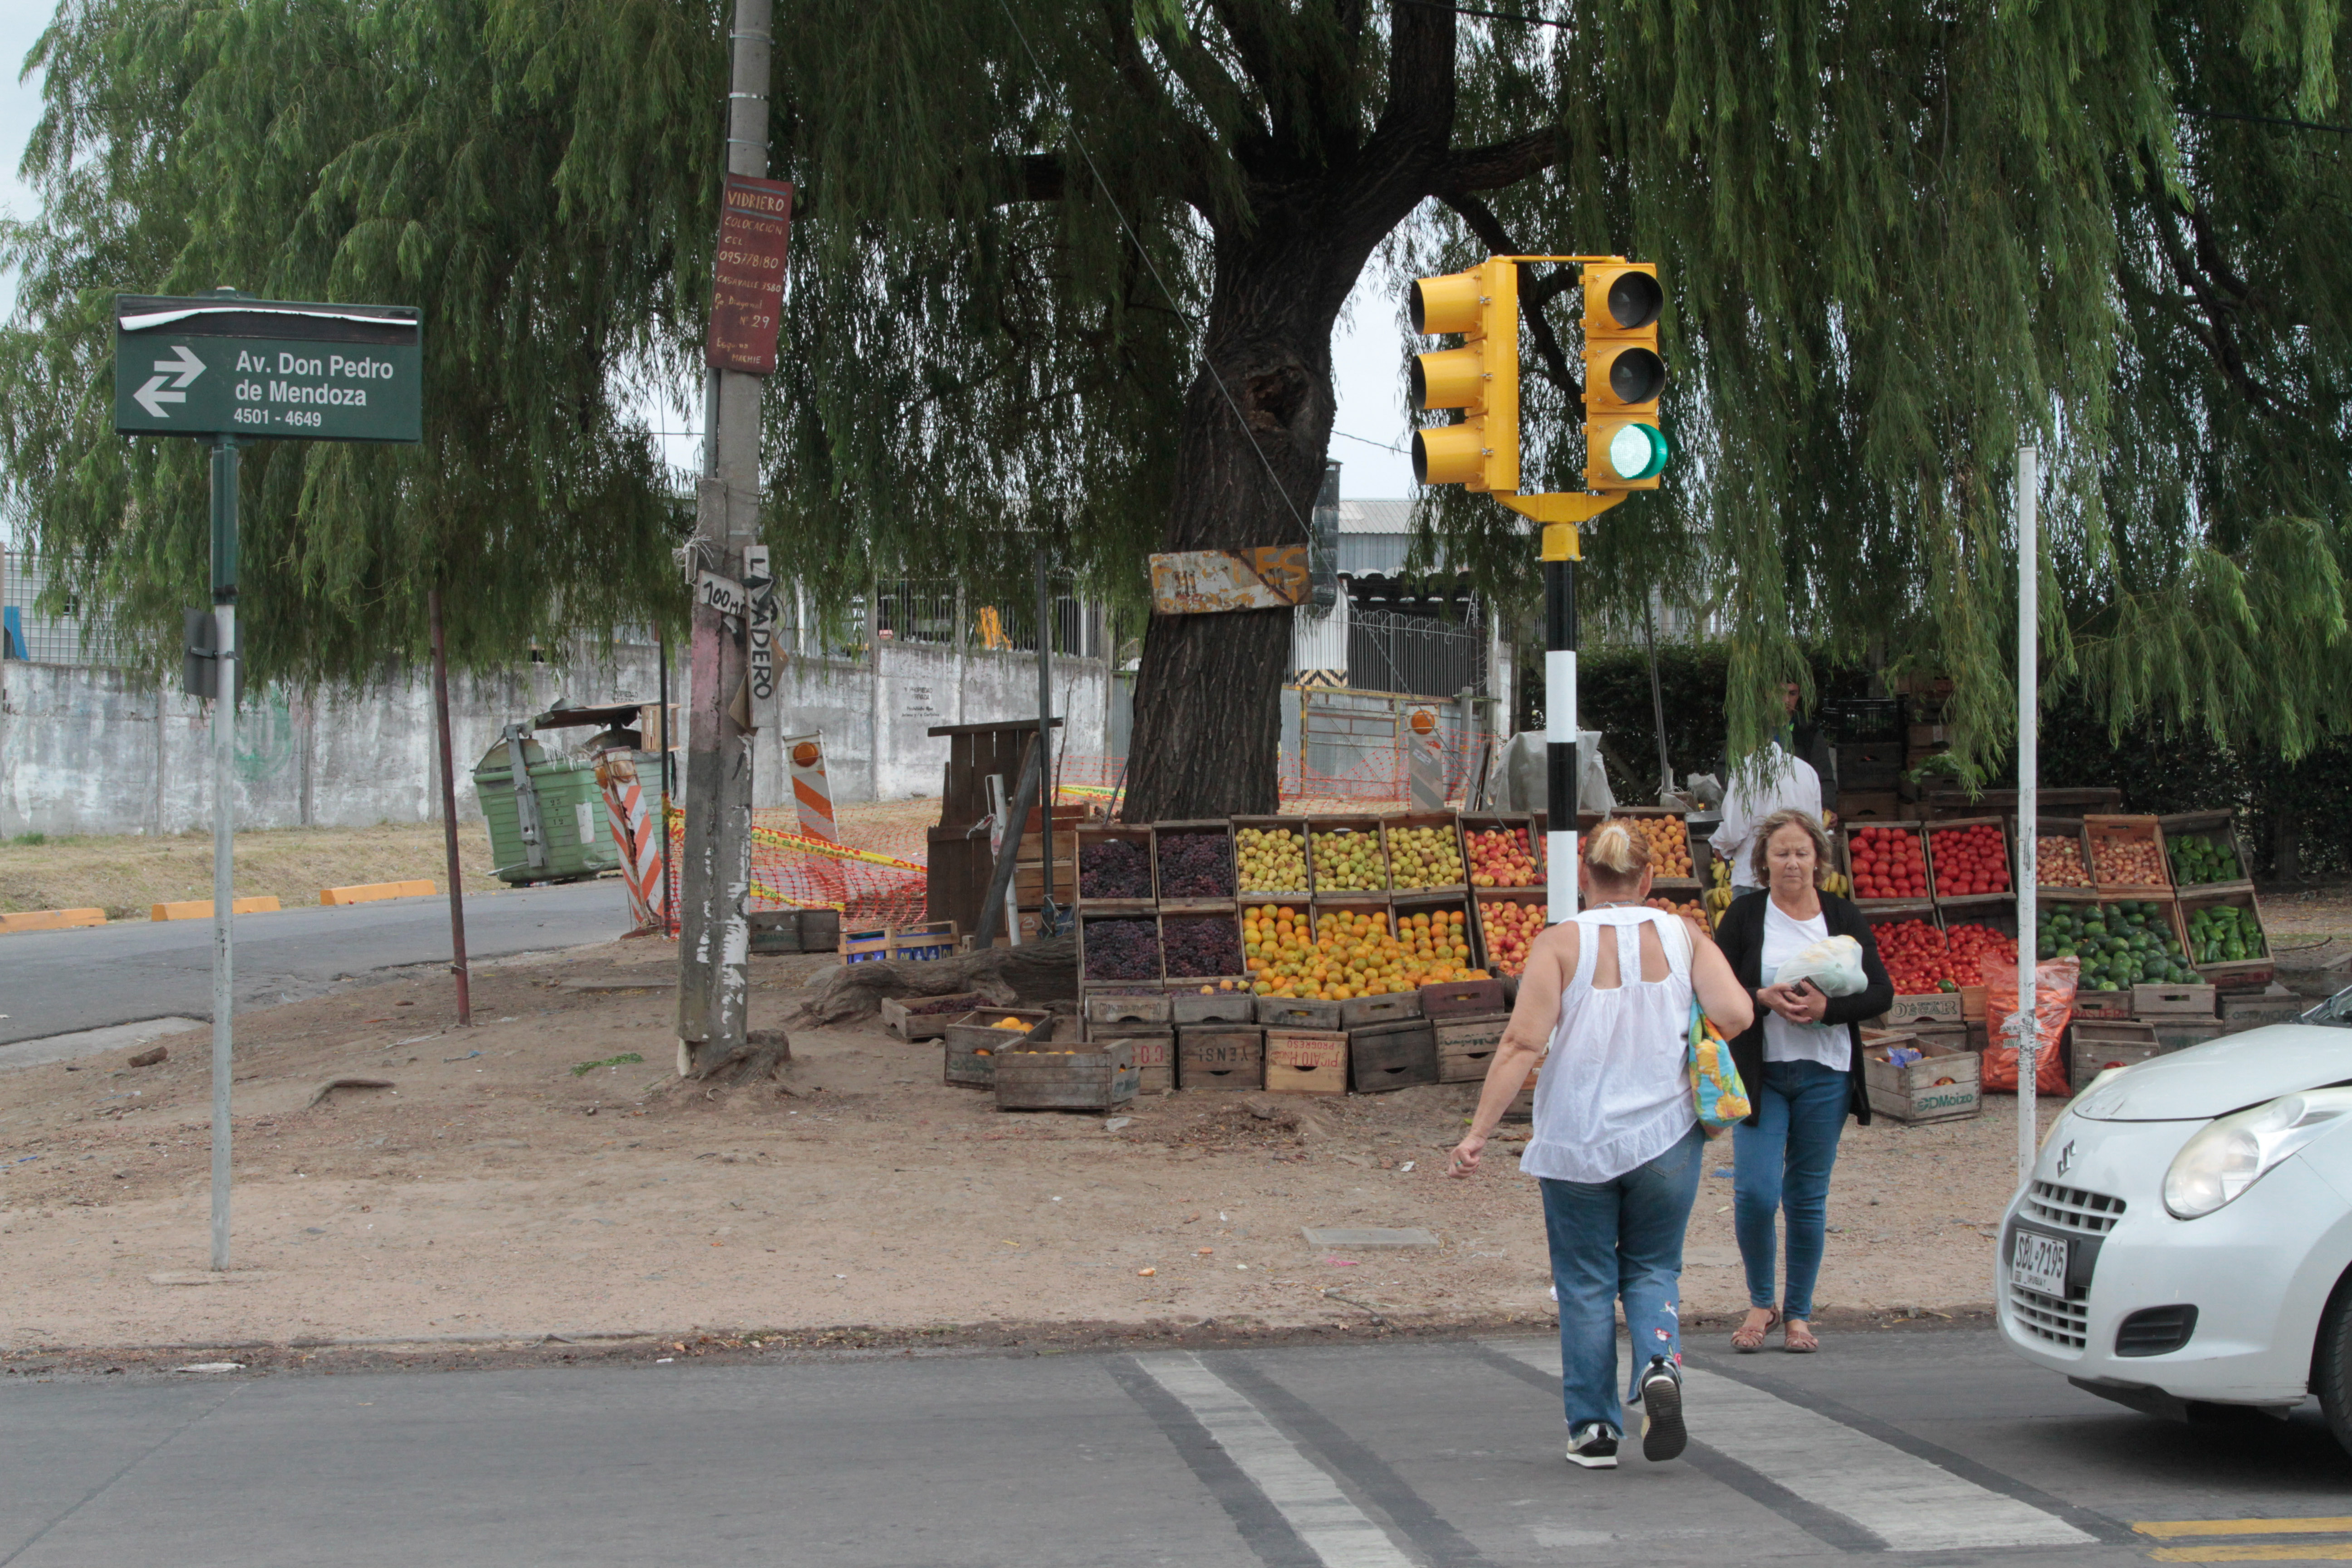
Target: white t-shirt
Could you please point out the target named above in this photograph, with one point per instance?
(1827, 1044)
(1774, 782)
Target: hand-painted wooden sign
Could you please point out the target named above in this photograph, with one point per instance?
(747, 293)
(1212, 582)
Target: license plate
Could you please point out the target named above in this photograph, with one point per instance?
(2038, 1262)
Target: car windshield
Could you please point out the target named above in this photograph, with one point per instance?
(2336, 1010)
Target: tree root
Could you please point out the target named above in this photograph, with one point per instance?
(762, 1057)
(1036, 972)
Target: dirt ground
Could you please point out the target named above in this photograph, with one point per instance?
(516, 1180)
(126, 874)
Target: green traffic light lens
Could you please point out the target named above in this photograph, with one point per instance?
(1637, 451)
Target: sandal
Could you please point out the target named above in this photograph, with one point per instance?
(1798, 1338)
(1749, 1338)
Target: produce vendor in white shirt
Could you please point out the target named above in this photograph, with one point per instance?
(1771, 780)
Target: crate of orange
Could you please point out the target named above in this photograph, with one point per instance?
(1350, 950)
(1667, 833)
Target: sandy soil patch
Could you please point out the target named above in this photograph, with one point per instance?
(125, 875)
(505, 1192)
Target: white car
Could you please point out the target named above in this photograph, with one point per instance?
(2186, 1239)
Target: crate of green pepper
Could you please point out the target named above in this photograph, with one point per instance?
(2226, 940)
(2120, 942)
(2203, 850)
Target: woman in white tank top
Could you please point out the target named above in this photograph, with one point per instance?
(1617, 1144)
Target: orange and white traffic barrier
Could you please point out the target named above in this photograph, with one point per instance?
(638, 838)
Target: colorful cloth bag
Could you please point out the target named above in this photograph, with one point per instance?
(1716, 1093)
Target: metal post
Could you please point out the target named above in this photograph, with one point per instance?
(1657, 701)
(1562, 550)
(458, 966)
(2029, 804)
(225, 467)
(669, 890)
(715, 934)
(1045, 729)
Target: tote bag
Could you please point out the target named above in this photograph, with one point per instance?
(1717, 1092)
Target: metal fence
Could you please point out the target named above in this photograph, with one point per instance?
(1416, 655)
(80, 636)
(913, 611)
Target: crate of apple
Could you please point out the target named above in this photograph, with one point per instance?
(1511, 929)
(1970, 861)
(1915, 956)
(1888, 864)
(1424, 858)
(1501, 858)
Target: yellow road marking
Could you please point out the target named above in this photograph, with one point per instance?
(2173, 1528)
(2258, 1552)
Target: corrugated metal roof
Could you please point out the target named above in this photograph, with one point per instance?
(1376, 517)
(1374, 536)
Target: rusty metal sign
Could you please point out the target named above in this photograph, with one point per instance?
(747, 294)
(1213, 581)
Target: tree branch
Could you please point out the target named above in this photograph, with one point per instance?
(2219, 300)
(1533, 292)
(1501, 163)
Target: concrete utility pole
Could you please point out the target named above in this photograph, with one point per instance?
(714, 934)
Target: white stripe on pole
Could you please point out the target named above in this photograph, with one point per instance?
(2028, 827)
(1560, 730)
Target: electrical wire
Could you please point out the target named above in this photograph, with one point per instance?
(1368, 441)
(1070, 124)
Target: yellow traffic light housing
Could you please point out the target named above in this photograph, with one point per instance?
(1481, 378)
(1624, 449)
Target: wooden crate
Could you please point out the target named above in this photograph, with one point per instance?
(2093, 1047)
(1109, 833)
(1219, 833)
(1193, 1006)
(1466, 1045)
(795, 931)
(2085, 892)
(1949, 898)
(1844, 848)
(1155, 1052)
(1871, 805)
(2103, 1007)
(1088, 921)
(2275, 1003)
(1370, 825)
(1219, 1057)
(2214, 826)
(923, 943)
(1519, 823)
(1361, 1012)
(926, 1017)
(1073, 1078)
(1391, 1056)
(1483, 949)
(1437, 905)
(1449, 833)
(1200, 914)
(2252, 972)
(2176, 1033)
(1673, 884)
(2099, 831)
(971, 1047)
(2172, 1002)
(1029, 882)
(1943, 1085)
(1306, 1061)
(1151, 1011)
(1298, 1013)
(1460, 999)
(1927, 1008)
(1293, 825)
(867, 945)
(1251, 914)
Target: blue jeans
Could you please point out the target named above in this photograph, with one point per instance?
(1612, 1239)
(1783, 1163)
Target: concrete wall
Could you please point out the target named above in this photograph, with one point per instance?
(90, 750)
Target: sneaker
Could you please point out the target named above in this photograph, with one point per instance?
(1662, 1437)
(1593, 1445)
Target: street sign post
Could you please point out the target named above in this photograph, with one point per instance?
(231, 370)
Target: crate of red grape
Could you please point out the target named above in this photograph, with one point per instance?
(1502, 850)
(1912, 947)
(1509, 924)
(926, 1017)
(1119, 947)
(1201, 946)
(1114, 867)
(1195, 864)
(1889, 863)
(1968, 860)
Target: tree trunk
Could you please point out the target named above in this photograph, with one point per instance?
(1208, 717)
(1035, 971)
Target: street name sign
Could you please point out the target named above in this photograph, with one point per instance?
(216, 364)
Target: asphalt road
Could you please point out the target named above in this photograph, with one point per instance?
(1933, 1447)
(52, 983)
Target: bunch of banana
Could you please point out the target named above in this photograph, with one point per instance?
(1837, 882)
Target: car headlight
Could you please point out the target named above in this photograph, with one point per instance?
(2234, 1152)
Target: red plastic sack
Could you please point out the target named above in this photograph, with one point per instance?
(2055, 980)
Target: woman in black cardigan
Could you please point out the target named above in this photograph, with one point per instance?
(1801, 1061)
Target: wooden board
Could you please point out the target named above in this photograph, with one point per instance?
(1234, 1006)
(1077, 1079)
(1394, 1006)
(1306, 1061)
(971, 1047)
(1466, 1045)
(1460, 999)
(1152, 1010)
(1298, 1012)
(2173, 1001)
(904, 1022)
(1218, 582)
(1219, 1057)
(1392, 1056)
(2093, 1048)
(1944, 1085)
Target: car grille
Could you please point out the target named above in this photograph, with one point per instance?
(2156, 1331)
(2066, 1322)
(2072, 1209)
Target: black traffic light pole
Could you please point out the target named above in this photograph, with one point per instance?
(1561, 552)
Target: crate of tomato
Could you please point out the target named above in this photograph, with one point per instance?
(1911, 946)
(1971, 859)
(1888, 862)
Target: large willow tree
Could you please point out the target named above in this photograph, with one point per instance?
(1067, 272)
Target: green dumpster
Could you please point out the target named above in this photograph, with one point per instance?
(550, 825)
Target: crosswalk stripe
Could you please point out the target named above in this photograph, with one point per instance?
(1905, 1501)
(1332, 1526)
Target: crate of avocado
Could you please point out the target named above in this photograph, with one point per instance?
(2121, 942)
(2226, 941)
(2202, 847)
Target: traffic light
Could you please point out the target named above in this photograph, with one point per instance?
(1623, 448)
(1481, 378)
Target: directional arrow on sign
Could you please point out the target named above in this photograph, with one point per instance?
(179, 371)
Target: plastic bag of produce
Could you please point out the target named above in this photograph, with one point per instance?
(2053, 984)
(1833, 963)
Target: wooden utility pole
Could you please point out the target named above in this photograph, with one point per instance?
(449, 813)
(714, 933)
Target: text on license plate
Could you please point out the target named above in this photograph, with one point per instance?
(2038, 1262)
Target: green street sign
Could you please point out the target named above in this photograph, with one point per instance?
(218, 364)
